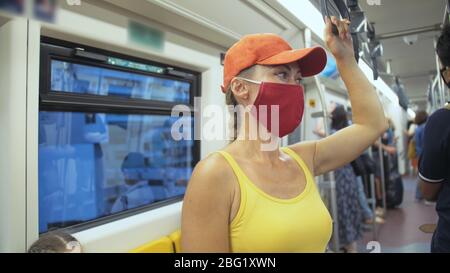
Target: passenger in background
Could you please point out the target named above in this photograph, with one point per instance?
(368, 214)
(434, 165)
(394, 183)
(388, 149)
(56, 242)
(350, 215)
(420, 120)
(392, 139)
(138, 191)
(412, 146)
(319, 129)
(360, 168)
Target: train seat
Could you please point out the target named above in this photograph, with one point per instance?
(176, 239)
(162, 245)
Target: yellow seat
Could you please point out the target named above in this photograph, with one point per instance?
(176, 239)
(163, 245)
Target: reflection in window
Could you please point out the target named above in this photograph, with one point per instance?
(84, 79)
(92, 165)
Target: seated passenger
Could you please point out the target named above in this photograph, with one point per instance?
(434, 165)
(56, 242)
(137, 191)
(253, 196)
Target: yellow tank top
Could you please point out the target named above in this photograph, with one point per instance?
(268, 224)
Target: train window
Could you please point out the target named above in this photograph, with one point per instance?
(84, 79)
(106, 149)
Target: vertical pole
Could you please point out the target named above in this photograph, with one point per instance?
(433, 100)
(374, 207)
(330, 175)
(382, 174)
(440, 84)
(435, 91)
(373, 200)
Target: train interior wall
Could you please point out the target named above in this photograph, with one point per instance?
(186, 26)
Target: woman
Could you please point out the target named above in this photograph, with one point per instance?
(350, 215)
(248, 199)
(412, 146)
(388, 148)
(421, 121)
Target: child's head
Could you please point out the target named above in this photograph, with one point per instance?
(56, 242)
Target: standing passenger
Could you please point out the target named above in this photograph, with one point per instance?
(248, 199)
(434, 166)
(349, 208)
(412, 147)
(420, 120)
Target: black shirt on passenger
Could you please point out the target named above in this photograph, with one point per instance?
(434, 168)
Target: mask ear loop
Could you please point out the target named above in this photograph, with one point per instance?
(251, 81)
(248, 80)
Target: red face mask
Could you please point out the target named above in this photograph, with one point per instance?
(291, 103)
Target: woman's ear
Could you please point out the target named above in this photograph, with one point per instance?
(240, 90)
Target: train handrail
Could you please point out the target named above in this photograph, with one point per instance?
(382, 175)
(330, 175)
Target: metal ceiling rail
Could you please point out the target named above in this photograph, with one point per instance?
(406, 32)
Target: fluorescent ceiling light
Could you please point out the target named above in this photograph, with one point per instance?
(311, 17)
(307, 13)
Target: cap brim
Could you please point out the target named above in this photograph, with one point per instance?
(312, 60)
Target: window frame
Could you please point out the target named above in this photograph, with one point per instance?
(55, 101)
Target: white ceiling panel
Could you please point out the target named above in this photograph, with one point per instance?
(412, 63)
(234, 15)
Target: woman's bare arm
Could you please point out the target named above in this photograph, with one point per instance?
(369, 121)
(206, 207)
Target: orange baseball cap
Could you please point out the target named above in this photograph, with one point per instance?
(270, 49)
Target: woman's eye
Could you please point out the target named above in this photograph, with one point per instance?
(282, 75)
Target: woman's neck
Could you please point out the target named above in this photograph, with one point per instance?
(255, 142)
(258, 150)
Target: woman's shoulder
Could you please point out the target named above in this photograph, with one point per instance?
(213, 172)
(213, 164)
(305, 150)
